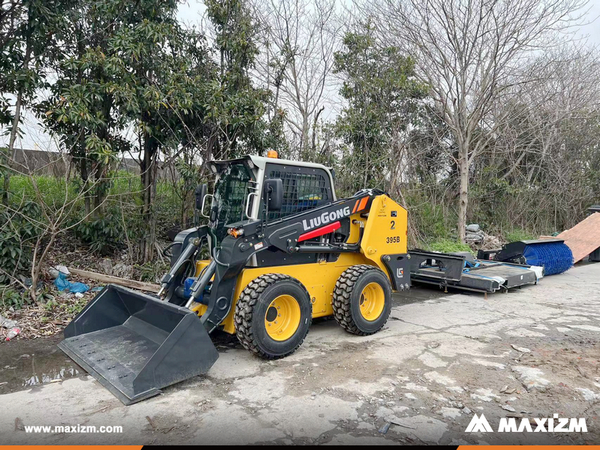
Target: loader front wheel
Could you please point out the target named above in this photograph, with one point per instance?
(273, 315)
(362, 300)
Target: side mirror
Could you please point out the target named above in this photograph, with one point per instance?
(200, 193)
(274, 194)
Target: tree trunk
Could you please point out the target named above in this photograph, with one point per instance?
(11, 144)
(101, 169)
(463, 169)
(15, 122)
(148, 176)
(37, 263)
(84, 172)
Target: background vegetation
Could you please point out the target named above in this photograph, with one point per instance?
(480, 111)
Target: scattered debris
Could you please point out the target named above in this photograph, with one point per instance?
(400, 424)
(122, 270)
(450, 413)
(154, 428)
(46, 319)
(521, 349)
(106, 266)
(62, 284)
(384, 429)
(588, 394)
(7, 323)
(59, 269)
(473, 228)
(531, 378)
(485, 395)
(474, 234)
(507, 390)
(19, 424)
(508, 408)
(13, 333)
(13, 327)
(118, 270)
(142, 286)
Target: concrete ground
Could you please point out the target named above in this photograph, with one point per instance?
(529, 353)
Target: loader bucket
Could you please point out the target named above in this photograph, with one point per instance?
(135, 344)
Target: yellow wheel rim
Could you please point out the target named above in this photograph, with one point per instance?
(282, 318)
(372, 301)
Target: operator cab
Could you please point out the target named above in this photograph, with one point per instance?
(240, 192)
(266, 189)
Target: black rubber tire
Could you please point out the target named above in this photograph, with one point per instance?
(346, 298)
(252, 306)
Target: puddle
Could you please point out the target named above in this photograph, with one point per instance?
(417, 294)
(26, 364)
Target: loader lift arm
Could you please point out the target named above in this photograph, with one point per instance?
(286, 234)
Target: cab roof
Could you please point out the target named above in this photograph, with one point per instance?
(261, 162)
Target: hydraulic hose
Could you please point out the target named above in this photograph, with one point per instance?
(198, 287)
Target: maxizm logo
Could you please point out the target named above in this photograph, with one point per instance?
(555, 424)
(326, 218)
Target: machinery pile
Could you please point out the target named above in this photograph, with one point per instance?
(284, 250)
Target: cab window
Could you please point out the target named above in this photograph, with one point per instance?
(303, 189)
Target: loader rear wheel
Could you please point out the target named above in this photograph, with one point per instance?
(362, 300)
(273, 315)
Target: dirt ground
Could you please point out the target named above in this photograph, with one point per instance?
(440, 359)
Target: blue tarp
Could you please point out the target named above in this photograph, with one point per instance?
(62, 284)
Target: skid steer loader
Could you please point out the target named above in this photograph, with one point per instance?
(283, 250)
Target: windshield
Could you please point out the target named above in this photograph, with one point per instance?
(231, 191)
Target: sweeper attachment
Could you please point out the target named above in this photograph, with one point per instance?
(283, 251)
(462, 271)
(551, 254)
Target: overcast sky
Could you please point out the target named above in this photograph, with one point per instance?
(592, 28)
(192, 13)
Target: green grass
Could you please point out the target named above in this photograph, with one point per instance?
(448, 246)
(518, 235)
(53, 191)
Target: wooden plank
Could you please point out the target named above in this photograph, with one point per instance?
(142, 286)
(584, 237)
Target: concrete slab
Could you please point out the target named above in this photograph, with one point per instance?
(434, 365)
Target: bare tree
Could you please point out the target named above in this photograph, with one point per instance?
(470, 52)
(299, 41)
(53, 215)
(551, 136)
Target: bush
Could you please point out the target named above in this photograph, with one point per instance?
(150, 272)
(17, 235)
(12, 298)
(104, 235)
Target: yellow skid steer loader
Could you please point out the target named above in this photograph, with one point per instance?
(284, 250)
